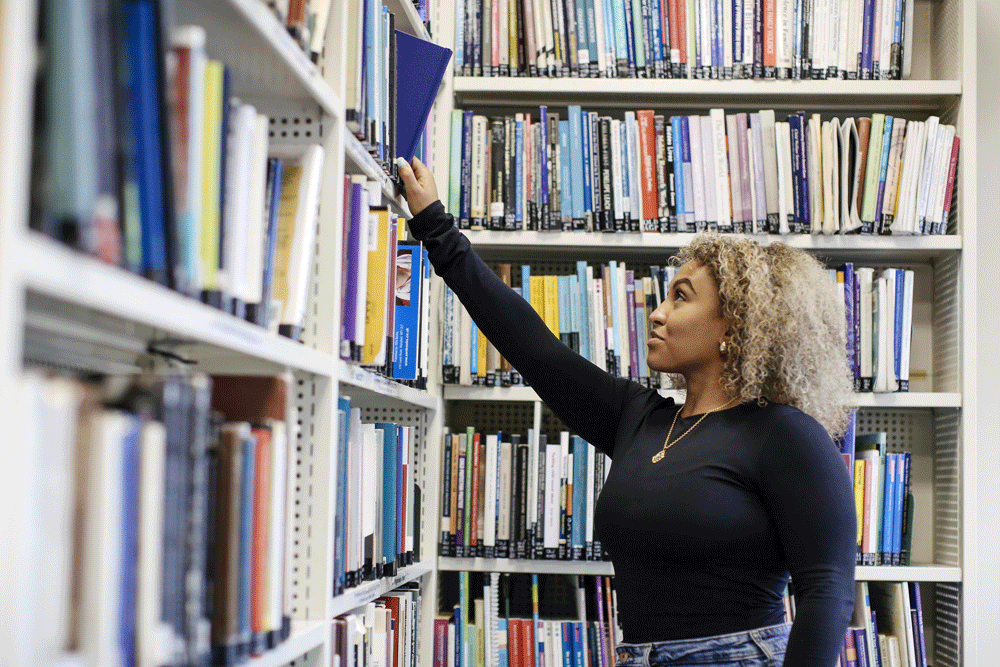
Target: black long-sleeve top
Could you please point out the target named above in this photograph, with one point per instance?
(702, 542)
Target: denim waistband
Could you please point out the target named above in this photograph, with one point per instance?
(766, 644)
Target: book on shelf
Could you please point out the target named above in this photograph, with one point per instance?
(384, 631)
(420, 67)
(507, 496)
(747, 173)
(887, 625)
(851, 39)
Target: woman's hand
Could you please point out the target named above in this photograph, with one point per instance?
(421, 191)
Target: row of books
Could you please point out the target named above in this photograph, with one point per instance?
(166, 513)
(376, 520)
(699, 39)
(601, 312)
(887, 627)
(306, 22)
(175, 178)
(882, 498)
(731, 172)
(384, 632)
(505, 496)
(392, 80)
(878, 310)
(507, 620)
(385, 295)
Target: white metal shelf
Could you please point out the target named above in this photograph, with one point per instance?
(863, 400)
(687, 93)
(526, 566)
(360, 161)
(361, 595)
(265, 60)
(50, 268)
(306, 636)
(363, 383)
(911, 247)
(933, 573)
(407, 18)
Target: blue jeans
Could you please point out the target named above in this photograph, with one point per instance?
(763, 647)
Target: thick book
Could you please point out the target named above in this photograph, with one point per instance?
(420, 66)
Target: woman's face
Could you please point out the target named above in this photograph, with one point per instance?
(687, 327)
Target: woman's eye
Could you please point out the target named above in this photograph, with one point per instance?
(678, 295)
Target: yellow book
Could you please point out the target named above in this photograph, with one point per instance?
(481, 349)
(859, 496)
(287, 209)
(538, 295)
(373, 353)
(552, 303)
(211, 176)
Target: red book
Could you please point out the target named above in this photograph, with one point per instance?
(440, 642)
(949, 189)
(527, 643)
(647, 160)
(261, 516)
(770, 57)
(514, 650)
(404, 471)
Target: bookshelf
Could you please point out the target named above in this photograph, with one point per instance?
(63, 310)
(937, 420)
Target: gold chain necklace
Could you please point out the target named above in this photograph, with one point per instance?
(658, 456)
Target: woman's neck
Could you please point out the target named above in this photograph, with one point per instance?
(704, 394)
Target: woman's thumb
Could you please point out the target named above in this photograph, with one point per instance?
(406, 173)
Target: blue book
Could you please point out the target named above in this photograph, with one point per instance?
(142, 52)
(406, 329)
(390, 465)
(656, 24)
(577, 536)
(503, 652)
(372, 56)
(852, 353)
(739, 52)
(455, 164)
(420, 67)
(584, 308)
(797, 136)
(463, 603)
(640, 331)
(576, 164)
(902, 479)
(867, 39)
(888, 509)
(131, 453)
(474, 350)
(718, 41)
(630, 36)
(688, 178)
(616, 11)
(563, 301)
(579, 656)
(339, 527)
(883, 169)
(465, 192)
(543, 163)
(633, 333)
(246, 540)
(587, 173)
(897, 322)
(566, 181)
(397, 525)
(591, 41)
(567, 644)
(631, 221)
(261, 313)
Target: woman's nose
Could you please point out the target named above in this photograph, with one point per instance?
(658, 316)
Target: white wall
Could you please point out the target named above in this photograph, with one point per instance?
(986, 616)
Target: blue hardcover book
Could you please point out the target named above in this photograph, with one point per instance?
(616, 323)
(465, 191)
(139, 22)
(805, 185)
(883, 170)
(587, 173)
(567, 643)
(406, 330)
(566, 184)
(577, 536)
(583, 303)
(592, 38)
(917, 613)
(131, 453)
(339, 527)
(576, 165)
(688, 185)
(799, 204)
(390, 465)
(631, 37)
(420, 67)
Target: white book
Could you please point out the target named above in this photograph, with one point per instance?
(697, 171)
(907, 327)
(150, 628)
(834, 9)
(720, 165)
(911, 646)
(844, 63)
(913, 150)
(734, 171)
(936, 211)
(504, 34)
(588, 535)
(598, 27)
(705, 32)
(490, 501)
(708, 163)
(239, 148)
(850, 176)
(814, 148)
(821, 14)
(375, 494)
(478, 199)
(755, 146)
(927, 169)
(885, 46)
(598, 330)
(352, 518)
(783, 35)
(624, 345)
(783, 146)
(101, 592)
(505, 491)
(370, 498)
(464, 346)
(748, 32)
(617, 189)
(908, 37)
(410, 458)
(865, 279)
(882, 307)
(755, 222)
(828, 157)
(303, 238)
(728, 56)
(320, 12)
(770, 158)
(932, 176)
(354, 100)
(553, 480)
(634, 166)
(532, 490)
(278, 509)
(256, 215)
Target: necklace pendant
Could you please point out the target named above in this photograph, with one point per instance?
(658, 456)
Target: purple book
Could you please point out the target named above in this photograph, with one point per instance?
(633, 353)
(917, 613)
(350, 348)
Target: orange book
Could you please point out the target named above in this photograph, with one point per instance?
(647, 160)
(864, 129)
(261, 522)
(770, 57)
(514, 645)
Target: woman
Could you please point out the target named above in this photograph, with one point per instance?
(708, 506)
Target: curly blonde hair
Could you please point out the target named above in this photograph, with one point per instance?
(787, 341)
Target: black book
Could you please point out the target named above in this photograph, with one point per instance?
(498, 173)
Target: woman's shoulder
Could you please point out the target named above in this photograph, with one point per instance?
(789, 425)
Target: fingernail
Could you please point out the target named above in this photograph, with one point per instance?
(400, 162)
